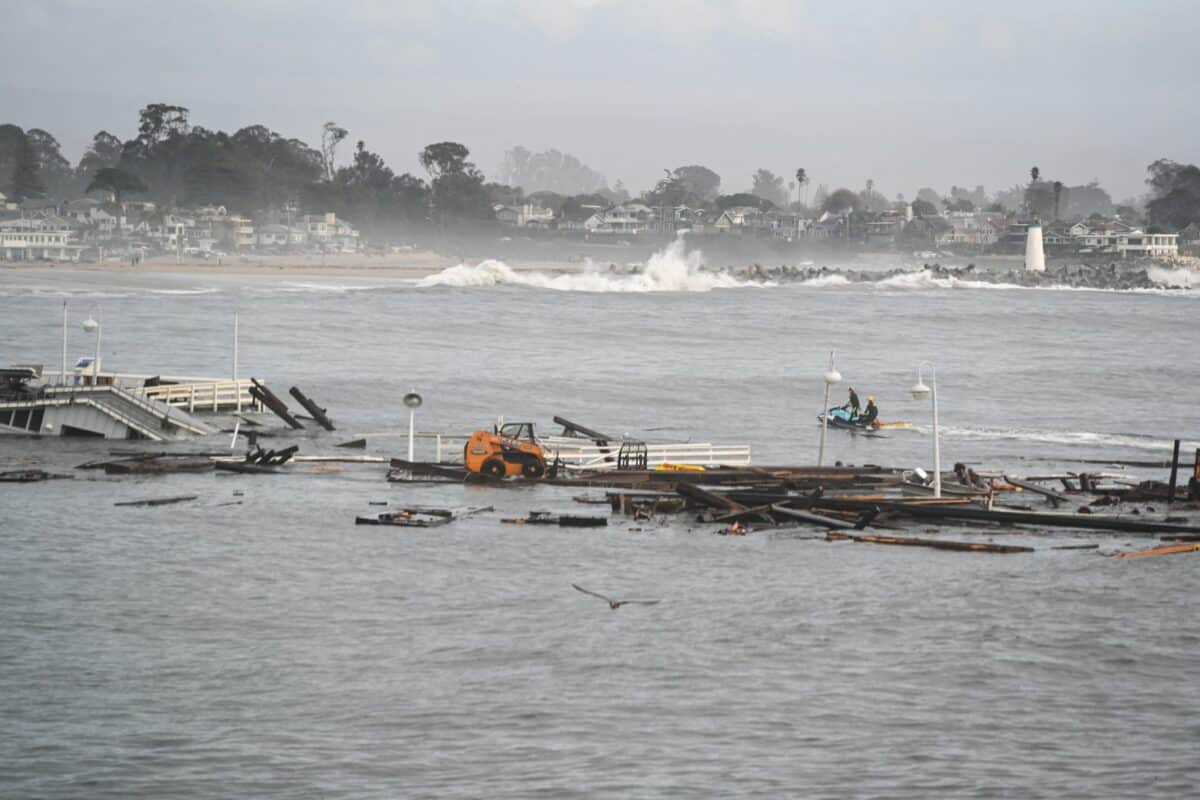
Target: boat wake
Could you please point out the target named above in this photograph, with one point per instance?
(1075, 438)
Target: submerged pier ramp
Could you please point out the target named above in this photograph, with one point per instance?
(106, 412)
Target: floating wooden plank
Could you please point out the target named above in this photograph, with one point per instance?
(421, 516)
(158, 501)
(1054, 497)
(1164, 550)
(247, 469)
(707, 498)
(157, 466)
(937, 544)
(318, 413)
(561, 520)
(355, 443)
(810, 517)
(973, 513)
(28, 476)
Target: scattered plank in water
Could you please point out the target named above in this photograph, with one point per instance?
(355, 443)
(158, 501)
(1164, 550)
(937, 544)
(420, 516)
(561, 520)
(28, 476)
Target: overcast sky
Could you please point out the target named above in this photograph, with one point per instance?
(908, 94)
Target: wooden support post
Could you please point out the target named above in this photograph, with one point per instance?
(265, 396)
(1194, 483)
(312, 408)
(1174, 473)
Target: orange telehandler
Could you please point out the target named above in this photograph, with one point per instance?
(510, 451)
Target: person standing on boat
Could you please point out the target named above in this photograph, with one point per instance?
(870, 414)
(852, 406)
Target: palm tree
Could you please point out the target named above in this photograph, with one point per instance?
(1035, 173)
(801, 180)
(1058, 187)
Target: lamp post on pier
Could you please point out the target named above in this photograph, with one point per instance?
(90, 325)
(413, 401)
(62, 378)
(919, 392)
(831, 377)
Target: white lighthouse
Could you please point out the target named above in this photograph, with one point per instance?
(1035, 254)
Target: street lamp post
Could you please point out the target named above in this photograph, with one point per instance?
(919, 392)
(90, 325)
(832, 376)
(413, 401)
(63, 375)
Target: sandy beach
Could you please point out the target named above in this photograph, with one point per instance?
(417, 264)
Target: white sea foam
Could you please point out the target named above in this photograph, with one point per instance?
(314, 288)
(1189, 278)
(672, 269)
(1082, 438)
(827, 280)
(925, 279)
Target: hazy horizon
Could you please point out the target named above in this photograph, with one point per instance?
(908, 98)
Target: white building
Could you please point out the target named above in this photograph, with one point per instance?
(37, 240)
(630, 218)
(330, 232)
(1126, 241)
(523, 215)
(974, 229)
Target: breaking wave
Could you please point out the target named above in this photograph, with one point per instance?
(925, 279)
(672, 269)
(1188, 278)
(827, 280)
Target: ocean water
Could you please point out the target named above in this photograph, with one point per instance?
(256, 643)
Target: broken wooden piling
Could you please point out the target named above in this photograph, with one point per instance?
(318, 413)
(262, 394)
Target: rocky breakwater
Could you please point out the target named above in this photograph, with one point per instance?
(1116, 277)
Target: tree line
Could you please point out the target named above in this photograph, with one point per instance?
(178, 164)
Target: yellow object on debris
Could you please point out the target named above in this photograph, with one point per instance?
(679, 468)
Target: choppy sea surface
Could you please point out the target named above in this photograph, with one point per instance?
(256, 643)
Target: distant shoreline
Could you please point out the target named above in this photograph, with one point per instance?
(418, 264)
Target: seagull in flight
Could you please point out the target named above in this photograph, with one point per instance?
(614, 604)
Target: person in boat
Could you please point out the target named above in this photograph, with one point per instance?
(870, 414)
(852, 405)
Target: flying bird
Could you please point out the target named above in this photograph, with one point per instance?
(614, 604)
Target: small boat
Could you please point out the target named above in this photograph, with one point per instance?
(840, 418)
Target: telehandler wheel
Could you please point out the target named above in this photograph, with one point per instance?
(493, 467)
(533, 469)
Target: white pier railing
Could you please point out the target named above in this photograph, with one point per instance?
(213, 396)
(583, 454)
